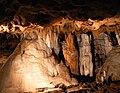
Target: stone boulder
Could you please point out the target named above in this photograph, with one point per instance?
(111, 68)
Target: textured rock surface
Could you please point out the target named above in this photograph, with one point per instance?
(111, 68)
(86, 65)
(45, 11)
(32, 66)
(62, 23)
(103, 45)
(70, 54)
(17, 13)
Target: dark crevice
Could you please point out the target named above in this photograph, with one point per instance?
(91, 36)
(113, 39)
(8, 43)
(60, 55)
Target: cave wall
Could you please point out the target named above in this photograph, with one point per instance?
(79, 33)
(66, 54)
(82, 53)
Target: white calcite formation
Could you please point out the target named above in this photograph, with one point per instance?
(86, 65)
(118, 39)
(32, 66)
(52, 41)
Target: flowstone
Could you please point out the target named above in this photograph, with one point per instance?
(32, 66)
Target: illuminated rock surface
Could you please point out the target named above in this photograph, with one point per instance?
(111, 68)
(32, 66)
(76, 38)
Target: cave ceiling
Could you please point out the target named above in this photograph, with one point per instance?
(91, 14)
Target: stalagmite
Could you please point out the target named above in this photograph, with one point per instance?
(86, 65)
(70, 54)
(32, 66)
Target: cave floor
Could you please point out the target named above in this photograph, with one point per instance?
(88, 87)
(82, 87)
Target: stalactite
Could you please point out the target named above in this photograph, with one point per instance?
(86, 65)
(56, 45)
(51, 39)
(118, 39)
(48, 40)
(91, 36)
(44, 34)
(70, 54)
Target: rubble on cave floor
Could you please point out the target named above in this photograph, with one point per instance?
(87, 87)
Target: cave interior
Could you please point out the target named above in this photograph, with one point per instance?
(79, 38)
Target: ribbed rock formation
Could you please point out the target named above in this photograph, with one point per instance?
(86, 65)
(32, 66)
(70, 54)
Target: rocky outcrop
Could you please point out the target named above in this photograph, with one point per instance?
(111, 68)
(103, 45)
(33, 66)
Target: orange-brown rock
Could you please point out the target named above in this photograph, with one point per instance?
(70, 54)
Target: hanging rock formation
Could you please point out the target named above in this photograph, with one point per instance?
(52, 41)
(86, 65)
(70, 54)
(59, 40)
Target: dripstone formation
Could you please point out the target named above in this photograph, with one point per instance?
(59, 45)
